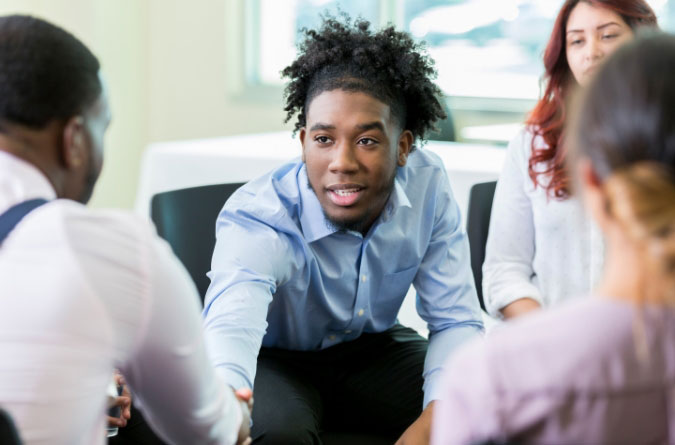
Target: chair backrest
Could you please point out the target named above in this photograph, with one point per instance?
(477, 225)
(8, 432)
(186, 218)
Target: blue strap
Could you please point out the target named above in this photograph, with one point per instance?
(11, 217)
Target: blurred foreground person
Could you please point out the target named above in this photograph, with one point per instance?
(602, 369)
(82, 291)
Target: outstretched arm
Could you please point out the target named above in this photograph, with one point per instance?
(169, 373)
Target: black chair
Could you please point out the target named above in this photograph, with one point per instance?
(186, 218)
(8, 432)
(477, 225)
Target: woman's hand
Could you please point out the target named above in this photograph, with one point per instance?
(520, 307)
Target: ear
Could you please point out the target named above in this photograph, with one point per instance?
(405, 142)
(587, 174)
(303, 133)
(74, 143)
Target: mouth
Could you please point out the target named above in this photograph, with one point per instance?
(344, 195)
(590, 70)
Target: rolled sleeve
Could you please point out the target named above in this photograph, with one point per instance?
(510, 249)
(441, 346)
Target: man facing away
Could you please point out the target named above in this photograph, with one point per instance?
(313, 260)
(82, 291)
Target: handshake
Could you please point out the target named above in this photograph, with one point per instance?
(245, 398)
(119, 409)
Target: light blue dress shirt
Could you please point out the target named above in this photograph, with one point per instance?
(282, 277)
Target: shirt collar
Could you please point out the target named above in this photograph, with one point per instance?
(313, 221)
(21, 181)
(397, 200)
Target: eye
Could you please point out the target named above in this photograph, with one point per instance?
(322, 140)
(609, 36)
(367, 141)
(575, 42)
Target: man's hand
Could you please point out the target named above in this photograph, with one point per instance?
(245, 398)
(520, 307)
(123, 401)
(419, 433)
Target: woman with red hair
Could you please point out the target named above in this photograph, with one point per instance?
(600, 369)
(541, 247)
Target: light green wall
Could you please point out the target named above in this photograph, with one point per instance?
(172, 68)
(116, 32)
(196, 66)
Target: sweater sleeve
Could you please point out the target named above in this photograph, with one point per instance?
(508, 270)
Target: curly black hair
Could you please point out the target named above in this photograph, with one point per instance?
(387, 65)
(46, 73)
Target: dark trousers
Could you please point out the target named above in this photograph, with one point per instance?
(365, 391)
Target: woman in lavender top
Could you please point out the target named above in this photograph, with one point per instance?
(596, 370)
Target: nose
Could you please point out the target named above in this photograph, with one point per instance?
(594, 50)
(343, 159)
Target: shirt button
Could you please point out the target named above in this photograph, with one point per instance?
(363, 278)
(331, 337)
(361, 312)
(348, 331)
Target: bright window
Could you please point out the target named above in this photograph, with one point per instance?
(280, 22)
(482, 48)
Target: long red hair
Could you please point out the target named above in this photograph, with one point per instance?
(548, 116)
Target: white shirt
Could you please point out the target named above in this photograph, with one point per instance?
(84, 291)
(538, 247)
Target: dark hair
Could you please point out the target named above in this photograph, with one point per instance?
(625, 124)
(548, 116)
(45, 73)
(628, 114)
(387, 65)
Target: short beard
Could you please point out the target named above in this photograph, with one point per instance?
(336, 225)
(89, 183)
(354, 225)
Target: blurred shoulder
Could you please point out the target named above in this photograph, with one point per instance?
(547, 349)
(99, 235)
(106, 224)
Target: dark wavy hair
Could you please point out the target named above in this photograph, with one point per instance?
(387, 65)
(45, 73)
(548, 116)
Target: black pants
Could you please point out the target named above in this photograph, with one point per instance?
(367, 390)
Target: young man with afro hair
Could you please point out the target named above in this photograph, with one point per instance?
(313, 260)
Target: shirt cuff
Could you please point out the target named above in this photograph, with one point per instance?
(233, 415)
(431, 389)
(497, 300)
(442, 345)
(233, 378)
